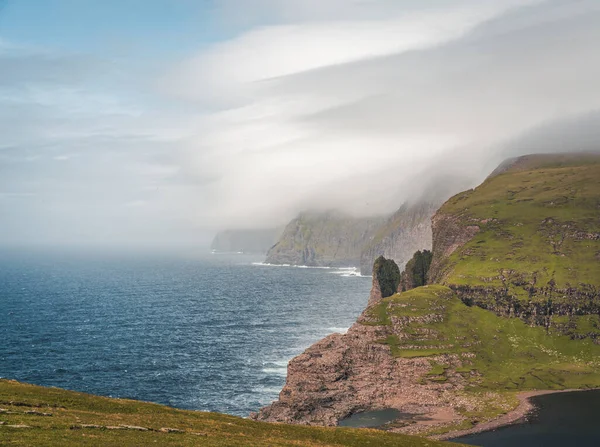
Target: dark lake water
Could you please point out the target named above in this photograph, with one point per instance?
(197, 332)
(561, 420)
(372, 419)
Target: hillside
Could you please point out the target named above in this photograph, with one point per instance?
(246, 241)
(405, 232)
(426, 353)
(526, 242)
(323, 239)
(33, 415)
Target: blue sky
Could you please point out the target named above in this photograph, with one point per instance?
(156, 123)
(112, 26)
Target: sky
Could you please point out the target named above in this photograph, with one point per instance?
(156, 123)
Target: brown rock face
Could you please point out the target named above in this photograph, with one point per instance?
(448, 235)
(346, 374)
(375, 295)
(405, 232)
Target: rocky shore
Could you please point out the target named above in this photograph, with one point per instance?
(342, 375)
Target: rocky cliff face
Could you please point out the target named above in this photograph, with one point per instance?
(323, 239)
(246, 241)
(427, 354)
(526, 242)
(405, 232)
(346, 374)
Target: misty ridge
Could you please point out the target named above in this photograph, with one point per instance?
(358, 107)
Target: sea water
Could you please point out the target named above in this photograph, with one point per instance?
(202, 331)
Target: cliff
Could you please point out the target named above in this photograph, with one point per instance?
(323, 239)
(246, 241)
(405, 232)
(526, 243)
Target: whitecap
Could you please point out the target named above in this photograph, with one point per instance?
(347, 272)
(278, 363)
(340, 330)
(267, 390)
(275, 371)
(266, 264)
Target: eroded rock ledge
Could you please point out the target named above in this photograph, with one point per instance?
(346, 374)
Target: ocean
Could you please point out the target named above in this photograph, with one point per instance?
(202, 332)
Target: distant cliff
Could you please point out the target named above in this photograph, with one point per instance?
(324, 239)
(247, 241)
(405, 232)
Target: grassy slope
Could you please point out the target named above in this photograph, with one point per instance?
(508, 354)
(493, 357)
(69, 409)
(531, 207)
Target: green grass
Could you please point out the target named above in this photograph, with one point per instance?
(69, 411)
(529, 218)
(437, 369)
(494, 353)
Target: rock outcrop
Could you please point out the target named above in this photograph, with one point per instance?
(346, 374)
(416, 272)
(245, 241)
(386, 279)
(405, 232)
(323, 239)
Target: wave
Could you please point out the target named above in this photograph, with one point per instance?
(279, 363)
(348, 272)
(276, 367)
(266, 264)
(276, 371)
(340, 330)
(267, 390)
(215, 252)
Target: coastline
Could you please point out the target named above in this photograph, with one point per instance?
(515, 416)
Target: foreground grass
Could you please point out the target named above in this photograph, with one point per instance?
(35, 416)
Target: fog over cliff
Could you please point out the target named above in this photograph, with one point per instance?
(254, 110)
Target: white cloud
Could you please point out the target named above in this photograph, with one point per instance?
(322, 105)
(226, 71)
(317, 104)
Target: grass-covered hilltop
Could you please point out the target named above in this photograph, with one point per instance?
(511, 304)
(527, 243)
(37, 416)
